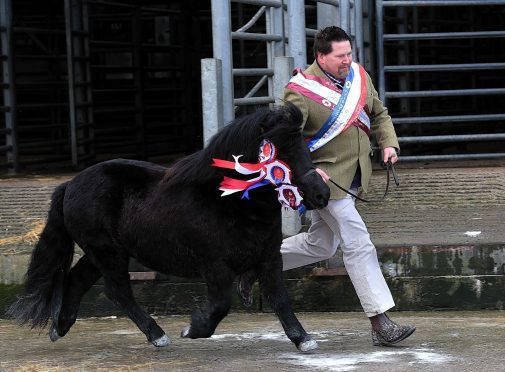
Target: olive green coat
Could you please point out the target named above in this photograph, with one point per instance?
(340, 157)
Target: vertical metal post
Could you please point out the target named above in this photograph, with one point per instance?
(212, 97)
(344, 15)
(8, 90)
(379, 16)
(79, 81)
(297, 37)
(72, 16)
(270, 49)
(283, 67)
(359, 43)
(221, 43)
(138, 81)
(89, 132)
(291, 221)
(277, 16)
(403, 58)
(327, 15)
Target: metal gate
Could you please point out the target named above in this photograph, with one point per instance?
(440, 73)
(438, 66)
(280, 28)
(88, 80)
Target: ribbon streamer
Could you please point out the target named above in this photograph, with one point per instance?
(271, 171)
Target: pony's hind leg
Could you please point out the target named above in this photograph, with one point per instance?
(118, 289)
(81, 277)
(205, 319)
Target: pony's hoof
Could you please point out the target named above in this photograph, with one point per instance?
(185, 331)
(162, 341)
(307, 345)
(53, 333)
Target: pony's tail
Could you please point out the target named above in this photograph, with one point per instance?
(48, 270)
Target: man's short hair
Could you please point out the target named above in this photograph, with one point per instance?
(324, 38)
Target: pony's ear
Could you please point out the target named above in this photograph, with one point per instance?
(268, 121)
(293, 113)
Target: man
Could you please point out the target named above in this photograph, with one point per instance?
(341, 108)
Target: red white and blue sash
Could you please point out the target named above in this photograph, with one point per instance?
(347, 105)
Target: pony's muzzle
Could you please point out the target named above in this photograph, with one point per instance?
(316, 192)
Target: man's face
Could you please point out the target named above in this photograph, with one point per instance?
(338, 61)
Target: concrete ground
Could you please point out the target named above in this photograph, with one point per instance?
(444, 341)
(456, 209)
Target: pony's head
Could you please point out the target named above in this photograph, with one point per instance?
(282, 127)
(244, 136)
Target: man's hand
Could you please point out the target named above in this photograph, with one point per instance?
(323, 175)
(389, 153)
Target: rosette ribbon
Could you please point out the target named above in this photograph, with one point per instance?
(269, 170)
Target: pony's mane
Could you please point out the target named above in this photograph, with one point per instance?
(241, 137)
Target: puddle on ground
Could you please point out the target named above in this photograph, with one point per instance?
(348, 362)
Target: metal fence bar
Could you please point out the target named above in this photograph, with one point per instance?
(444, 93)
(253, 20)
(443, 3)
(11, 141)
(498, 155)
(253, 101)
(297, 35)
(277, 17)
(310, 32)
(345, 11)
(212, 97)
(221, 42)
(454, 118)
(444, 35)
(329, 2)
(257, 86)
(359, 39)
(453, 138)
(37, 30)
(446, 67)
(252, 71)
(255, 36)
(379, 31)
(272, 3)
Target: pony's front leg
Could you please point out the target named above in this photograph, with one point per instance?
(205, 319)
(274, 291)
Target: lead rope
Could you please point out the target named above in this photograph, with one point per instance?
(390, 168)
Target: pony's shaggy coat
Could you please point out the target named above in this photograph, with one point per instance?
(172, 220)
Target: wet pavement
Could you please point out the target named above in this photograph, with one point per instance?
(444, 341)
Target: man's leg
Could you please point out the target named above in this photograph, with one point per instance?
(299, 250)
(362, 265)
(360, 256)
(319, 243)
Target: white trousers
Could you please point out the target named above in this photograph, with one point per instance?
(340, 224)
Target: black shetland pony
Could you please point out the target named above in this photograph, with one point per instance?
(173, 220)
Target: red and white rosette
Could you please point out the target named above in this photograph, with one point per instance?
(267, 153)
(289, 195)
(277, 172)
